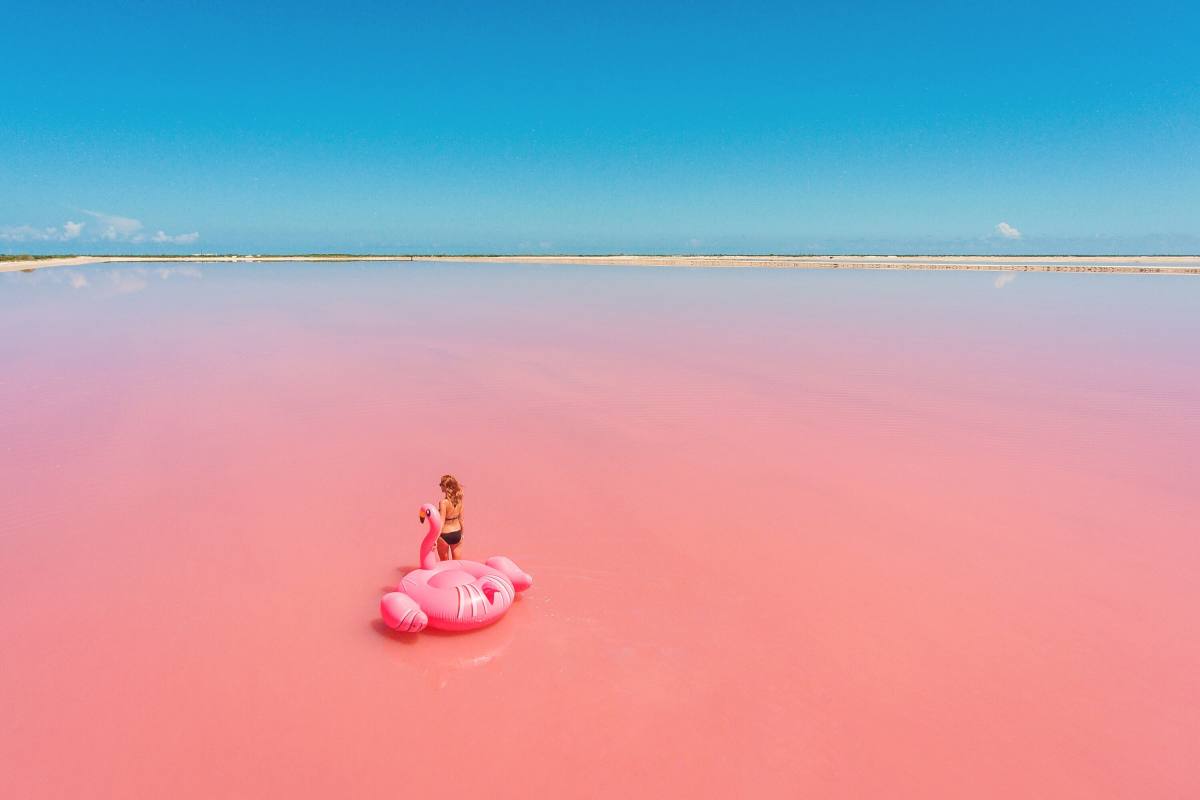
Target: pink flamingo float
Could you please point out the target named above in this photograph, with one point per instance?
(451, 595)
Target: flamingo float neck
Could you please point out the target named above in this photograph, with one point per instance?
(429, 557)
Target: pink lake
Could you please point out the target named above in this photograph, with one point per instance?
(794, 533)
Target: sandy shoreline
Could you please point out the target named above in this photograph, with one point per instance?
(1159, 265)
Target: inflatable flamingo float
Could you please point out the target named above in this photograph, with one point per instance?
(451, 595)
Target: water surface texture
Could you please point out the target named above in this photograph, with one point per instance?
(794, 533)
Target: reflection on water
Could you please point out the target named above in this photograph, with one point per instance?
(915, 534)
(436, 660)
(120, 280)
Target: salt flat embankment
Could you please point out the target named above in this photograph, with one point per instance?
(1162, 265)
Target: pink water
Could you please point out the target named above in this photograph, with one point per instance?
(903, 535)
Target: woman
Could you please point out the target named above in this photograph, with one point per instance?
(450, 508)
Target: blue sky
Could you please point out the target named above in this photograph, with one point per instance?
(608, 127)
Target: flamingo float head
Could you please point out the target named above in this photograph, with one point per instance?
(428, 513)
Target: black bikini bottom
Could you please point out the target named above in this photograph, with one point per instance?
(452, 538)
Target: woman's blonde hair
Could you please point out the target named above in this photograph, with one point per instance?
(451, 488)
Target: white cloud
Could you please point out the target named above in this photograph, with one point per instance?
(1008, 231)
(1004, 279)
(114, 228)
(107, 227)
(28, 233)
(22, 233)
(179, 238)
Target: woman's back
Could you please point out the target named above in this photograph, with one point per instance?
(451, 509)
(451, 516)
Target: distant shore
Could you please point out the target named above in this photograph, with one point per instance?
(1158, 265)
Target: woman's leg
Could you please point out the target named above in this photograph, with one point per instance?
(443, 549)
(456, 551)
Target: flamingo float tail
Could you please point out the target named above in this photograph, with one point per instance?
(521, 580)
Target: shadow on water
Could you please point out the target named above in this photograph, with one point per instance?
(440, 654)
(382, 629)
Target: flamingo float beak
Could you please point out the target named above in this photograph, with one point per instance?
(421, 515)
